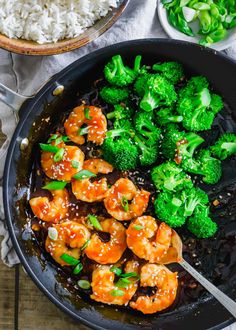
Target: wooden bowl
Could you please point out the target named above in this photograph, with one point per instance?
(26, 47)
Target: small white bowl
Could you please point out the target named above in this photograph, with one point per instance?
(175, 34)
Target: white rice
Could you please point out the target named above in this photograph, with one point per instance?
(47, 21)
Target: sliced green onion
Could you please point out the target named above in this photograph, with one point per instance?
(116, 270)
(131, 274)
(52, 233)
(75, 164)
(58, 140)
(69, 259)
(59, 155)
(48, 147)
(83, 284)
(84, 174)
(125, 203)
(55, 185)
(117, 293)
(138, 227)
(65, 138)
(52, 137)
(123, 283)
(94, 221)
(85, 245)
(78, 268)
(86, 113)
(83, 130)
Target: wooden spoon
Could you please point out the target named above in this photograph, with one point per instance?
(174, 254)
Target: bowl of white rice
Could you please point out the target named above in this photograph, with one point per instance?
(47, 27)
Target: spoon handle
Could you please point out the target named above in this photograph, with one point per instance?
(227, 302)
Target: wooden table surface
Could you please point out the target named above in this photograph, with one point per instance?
(35, 311)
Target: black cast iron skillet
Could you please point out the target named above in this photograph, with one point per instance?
(221, 72)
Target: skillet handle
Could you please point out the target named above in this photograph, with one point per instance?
(11, 98)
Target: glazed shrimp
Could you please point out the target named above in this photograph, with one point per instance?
(125, 191)
(103, 285)
(148, 240)
(96, 124)
(95, 191)
(109, 252)
(63, 169)
(159, 276)
(71, 236)
(51, 210)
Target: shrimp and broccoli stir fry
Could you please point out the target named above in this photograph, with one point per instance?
(111, 231)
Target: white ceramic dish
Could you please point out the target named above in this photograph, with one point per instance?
(175, 34)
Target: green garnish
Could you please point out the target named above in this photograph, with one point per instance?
(55, 185)
(83, 130)
(75, 164)
(48, 147)
(58, 140)
(116, 270)
(131, 274)
(83, 284)
(94, 221)
(59, 155)
(69, 259)
(65, 138)
(52, 137)
(125, 203)
(138, 227)
(123, 283)
(78, 268)
(86, 114)
(84, 174)
(117, 293)
(85, 245)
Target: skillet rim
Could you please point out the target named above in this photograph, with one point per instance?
(27, 108)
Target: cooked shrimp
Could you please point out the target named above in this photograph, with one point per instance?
(119, 196)
(96, 124)
(104, 288)
(166, 282)
(51, 210)
(111, 251)
(63, 169)
(95, 191)
(148, 240)
(71, 236)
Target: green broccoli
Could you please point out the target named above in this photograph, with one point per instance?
(169, 176)
(169, 208)
(205, 165)
(225, 146)
(121, 111)
(158, 92)
(148, 153)
(171, 136)
(200, 224)
(114, 95)
(166, 115)
(172, 71)
(192, 198)
(144, 125)
(116, 73)
(119, 150)
(197, 106)
(140, 83)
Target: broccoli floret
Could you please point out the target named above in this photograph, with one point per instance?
(166, 116)
(158, 92)
(116, 73)
(225, 146)
(205, 165)
(124, 124)
(186, 147)
(121, 111)
(169, 176)
(148, 152)
(192, 198)
(140, 83)
(172, 134)
(119, 150)
(114, 95)
(173, 71)
(169, 209)
(144, 125)
(197, 106)
(200, 224)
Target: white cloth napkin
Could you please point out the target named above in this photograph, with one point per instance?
(25, 74)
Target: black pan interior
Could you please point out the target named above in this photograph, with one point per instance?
(217, 259)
